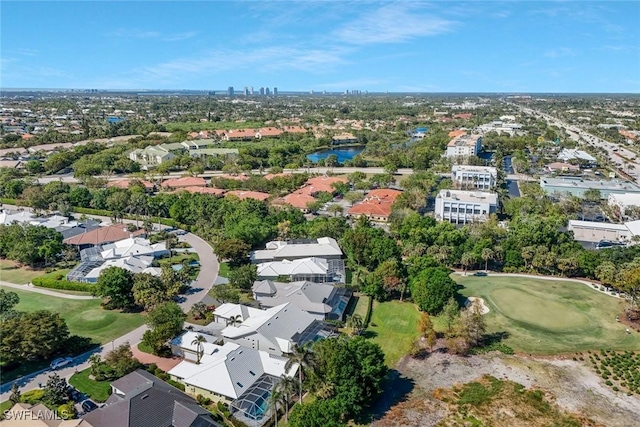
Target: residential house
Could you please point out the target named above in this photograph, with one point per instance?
(562, 167)
(376, 206)
(321, 300)
(313, 269)
(344, 138)
(278, 250)
(102, 235)
(275, 330)
(241, 194)
(126, 183)
(140, 399)
(202, 190)
(25, 415)
(183, 182)
(239, 376)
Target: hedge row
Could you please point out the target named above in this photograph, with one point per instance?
(51, 283)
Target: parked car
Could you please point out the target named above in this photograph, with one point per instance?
(75, 394)
(60, 362)
(88, 405)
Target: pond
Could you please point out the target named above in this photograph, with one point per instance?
(346, 153)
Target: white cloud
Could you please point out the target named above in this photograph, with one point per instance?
(144, 34)
(560, 52)
(393, 23)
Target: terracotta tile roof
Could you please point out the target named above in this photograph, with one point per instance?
(125, 183)
(239, 177)
(456, 132)
(270, 176)
(269, 132)
(377, 203)
(464, 116)
(185, 181)
(202, 190)
(248, 194)
(294, 129)
(100, 235)
(299, 198)
(27, 136)
(323, 183)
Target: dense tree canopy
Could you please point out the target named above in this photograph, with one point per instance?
(432, 288)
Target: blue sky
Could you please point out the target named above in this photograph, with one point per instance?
(553, 46)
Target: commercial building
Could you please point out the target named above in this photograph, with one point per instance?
(621, 201)
(476, 177)
(151, 156)
(462, 207)
(573, 154)
(576, 186)
(464, 145)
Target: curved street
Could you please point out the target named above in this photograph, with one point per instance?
(207, 276)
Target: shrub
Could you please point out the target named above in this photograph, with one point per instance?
(203, 401)
(32, 397)
(52, 283)
(67, 411)
(176, 384)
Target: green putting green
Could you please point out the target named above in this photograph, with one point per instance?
(527, 308)
(549, 316)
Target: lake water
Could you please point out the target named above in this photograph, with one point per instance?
(342, 153)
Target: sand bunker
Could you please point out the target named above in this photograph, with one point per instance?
(477, 300)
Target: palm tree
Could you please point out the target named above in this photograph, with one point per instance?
(287, 387)
(235, 321)
(467, 260)
(274, 399)
(303, 356)
(487, 254)
(355, 323)
(200, 348)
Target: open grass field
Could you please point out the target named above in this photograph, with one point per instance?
(549, 317)
(84, 317)
(10, 272)
(394, 327)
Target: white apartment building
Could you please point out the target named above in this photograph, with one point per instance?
(464, 145)
(474, 177)
(462, 207)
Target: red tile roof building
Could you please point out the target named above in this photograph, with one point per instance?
(241, 194)
(185, 181)
(102, 235)
(126, 183)
(376, 206)
(203, 190)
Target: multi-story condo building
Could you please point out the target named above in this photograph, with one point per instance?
(464, 145)
(462, 207)
(474, 177)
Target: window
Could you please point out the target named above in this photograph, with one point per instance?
(446, 208)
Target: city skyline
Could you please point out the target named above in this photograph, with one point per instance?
(567, 47)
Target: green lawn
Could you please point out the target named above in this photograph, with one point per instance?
(395, 330)
(97, 391)
(549, 317)
(10, 272)
(5, 406)
(84, 317)
(224, 270)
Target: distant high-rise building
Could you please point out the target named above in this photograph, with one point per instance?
(251, 90)
(230, 91)
(311, 92)
(262, 91)
(275, 91)
(267, 91)
(245, 91)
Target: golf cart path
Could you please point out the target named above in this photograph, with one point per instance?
(31, 288)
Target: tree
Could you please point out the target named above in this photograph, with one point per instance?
(335, 209)
(243, 276)
(319, 413)
(8, 300)
(115, 286)
(592, 195)
(121, 360)
(314, 206)
(303, 357)
(355, 323)
(15, 394)
(34, 335)
(353, 197)
(630, 285)
(56, 391)
(226, 293)
(274, 398)
(393, 276)
(148, 290)
(472, 324)
(451, 312)
(234, 320)
(166, 321)
(198, 342)
(368, 247)
(468, 259)
(235, 251)
(487, 255)
(199, 310)
(288, 388)
(432, 288)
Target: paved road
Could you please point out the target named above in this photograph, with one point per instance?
(206, 278)
(31, 288)
(69, 178)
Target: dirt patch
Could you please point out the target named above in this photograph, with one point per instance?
(575, 387)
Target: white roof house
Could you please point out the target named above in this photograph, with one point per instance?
(275, 330)
(323, 247)
(133, 264)
(133, 246)
(569, 153)
(321, 300)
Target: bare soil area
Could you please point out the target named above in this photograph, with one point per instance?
(573, 385)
